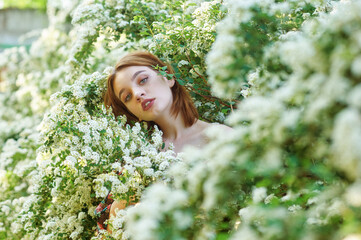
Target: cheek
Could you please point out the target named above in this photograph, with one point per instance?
(133, 110)
(163, 88)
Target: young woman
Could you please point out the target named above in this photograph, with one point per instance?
(138, 91)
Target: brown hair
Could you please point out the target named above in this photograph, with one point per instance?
(182, 102)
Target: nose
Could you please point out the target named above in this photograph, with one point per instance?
(139, 94)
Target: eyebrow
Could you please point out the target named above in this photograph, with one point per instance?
(134, 76)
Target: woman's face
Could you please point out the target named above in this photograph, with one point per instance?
(144, 92)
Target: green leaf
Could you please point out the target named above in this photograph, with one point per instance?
(181, 82)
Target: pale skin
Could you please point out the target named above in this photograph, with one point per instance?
(148, 96)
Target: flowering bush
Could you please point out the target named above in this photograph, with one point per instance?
(180, 32)
(29, 77)
(83, 148)
(290, 169)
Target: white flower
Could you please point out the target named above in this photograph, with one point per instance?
(294, 208)
(136, 129)
(95, 157)
(149, 172)
(5, 209)
(353, 237)
(108, 143)
(87, 139)
(245, 233)
(182, 63)
(353, 194)
(182, 219)
(271, 159)
(116, 166)
(164, 165)
(83, 128)
(78, 92)
(354, 98)
(133, 147)
(259, 194)
(157, 138)
(346, 142)
(130, 169)
(289, 196)
(120, 188)
(70, 161)
(269, 198)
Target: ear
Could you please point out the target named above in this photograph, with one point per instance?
(170, 82)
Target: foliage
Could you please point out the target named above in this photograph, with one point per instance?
(249, 29)
(82, 149)
(179, 32)
(28, 78)
(36, 4)
(290, 169)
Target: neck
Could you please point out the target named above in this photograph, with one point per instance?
(173, 128)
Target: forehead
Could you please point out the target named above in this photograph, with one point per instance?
(125, 75)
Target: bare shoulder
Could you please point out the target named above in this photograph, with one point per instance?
(198, 135)
(223, 127)
(204, 125)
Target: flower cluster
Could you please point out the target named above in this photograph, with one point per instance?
(250, 28)
(83, 150)
(291, 168)
(125, 24)
(27, 77)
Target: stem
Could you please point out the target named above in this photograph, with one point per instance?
(211, 98)
(184, 38)
(199, 75)
(146, 22)
(231, 107)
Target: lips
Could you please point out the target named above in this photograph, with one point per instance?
(147, 104)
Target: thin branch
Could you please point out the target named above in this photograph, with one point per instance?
(204, 80)
(211, 98)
